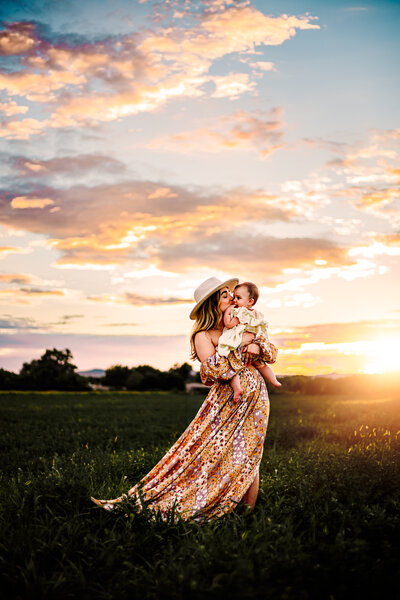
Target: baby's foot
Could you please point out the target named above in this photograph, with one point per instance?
(275, 382)
(237, 395)
(107, 504)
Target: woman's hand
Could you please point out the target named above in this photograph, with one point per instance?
(251, 353)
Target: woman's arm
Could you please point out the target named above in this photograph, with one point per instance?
(230, 321)
(213, 367)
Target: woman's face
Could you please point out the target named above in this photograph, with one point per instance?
(225, 299)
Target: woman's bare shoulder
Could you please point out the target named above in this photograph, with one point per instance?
(201, 336)
(204, 345)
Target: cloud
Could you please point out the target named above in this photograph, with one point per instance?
(232, 86)
(141, 223)
(355, 8)
(71, 165)
(15, 278)
(18, 38)
(262, 65)
(16, 324)
(21, 130)
(260, 257)
(22, 202)
(335, 333)
(357, 346)
(84, 84)
(239, 27)
(26, 295)
(381, 245)
(5, 250)
(121, 324)
(368, 173)
(12, 108)
(257, 131)
(138, 300)
(120, 216)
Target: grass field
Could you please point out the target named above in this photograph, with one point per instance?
(326, 524)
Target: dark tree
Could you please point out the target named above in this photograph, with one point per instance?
(52, 371)
(8, 380)
(182, 370)
(116, 376)
(135, 380)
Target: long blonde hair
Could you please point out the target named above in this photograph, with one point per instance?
(208, 316)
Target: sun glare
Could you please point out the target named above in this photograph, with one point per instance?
(384, 357)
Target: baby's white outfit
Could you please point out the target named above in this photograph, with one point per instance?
(250, 320)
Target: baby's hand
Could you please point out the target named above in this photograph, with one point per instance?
(230, 321)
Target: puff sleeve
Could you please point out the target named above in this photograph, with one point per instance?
(268, 352)
(216, 368)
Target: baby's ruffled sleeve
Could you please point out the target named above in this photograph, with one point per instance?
(216, 368)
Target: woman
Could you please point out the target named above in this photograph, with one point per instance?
(214, 464)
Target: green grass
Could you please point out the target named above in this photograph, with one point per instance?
(326, 524)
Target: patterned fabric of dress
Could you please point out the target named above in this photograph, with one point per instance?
(206, 473)
(249, 320)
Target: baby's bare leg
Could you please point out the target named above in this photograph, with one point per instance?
(237, 388)
(268, 374)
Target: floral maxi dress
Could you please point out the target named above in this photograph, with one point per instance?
(206, 473)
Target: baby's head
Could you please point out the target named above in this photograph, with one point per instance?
(246, 294)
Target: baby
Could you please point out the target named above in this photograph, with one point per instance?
(243, 317)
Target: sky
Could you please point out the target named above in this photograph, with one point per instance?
(146, 146)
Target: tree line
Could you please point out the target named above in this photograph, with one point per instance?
(54, 370)
(144, 378)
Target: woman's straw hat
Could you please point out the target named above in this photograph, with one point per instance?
(207, 289)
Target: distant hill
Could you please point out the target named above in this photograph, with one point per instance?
(93, 373)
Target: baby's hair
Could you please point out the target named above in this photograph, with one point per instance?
(252, 290)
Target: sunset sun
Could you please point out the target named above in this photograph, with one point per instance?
(386, 357)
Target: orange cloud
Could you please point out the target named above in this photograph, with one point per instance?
(144, 223)
(140, 72)
(38, 87)
(138, 300)
(91, 109)
(263, 258)
(26, 295)
(12, 108)
(81, 163)
(334, 333)
(341, 347)
(15, 278)
(16, 39)
(235, 28)
(257, 131)
(5, 250)
(21, 130)
(124, 214)
(369, 173)
(25, 202)
(381, 245)
(380, 198)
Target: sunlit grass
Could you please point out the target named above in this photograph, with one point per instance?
(325, 525)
